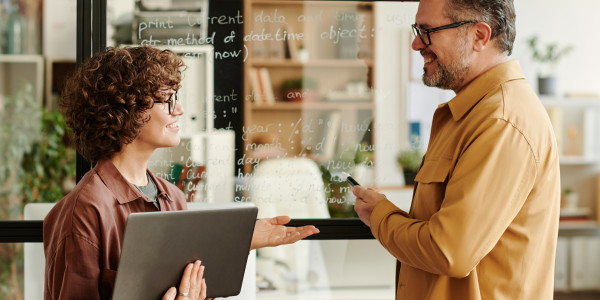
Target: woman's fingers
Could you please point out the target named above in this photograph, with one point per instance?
(185, 284)
(170, 294)
(192, 285)
(203, 292)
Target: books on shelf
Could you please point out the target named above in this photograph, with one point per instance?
(590, 133)
(262, 89)
(576, 214)
(276, 46)
(267, 87)
(291, 44)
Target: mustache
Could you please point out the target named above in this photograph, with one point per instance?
(427, 52)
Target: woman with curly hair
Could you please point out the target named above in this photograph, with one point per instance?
(122, 105)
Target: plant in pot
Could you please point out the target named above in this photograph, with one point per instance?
(298, 90)
(548, 57)
(363, 163)
(571, 199)
(36, 165)
(410, 161)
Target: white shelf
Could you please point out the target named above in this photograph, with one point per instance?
(17, 70)
(21, 58)
(335, 96)
(334, 294)
(578, 225)
(579, 160)
(569, 102)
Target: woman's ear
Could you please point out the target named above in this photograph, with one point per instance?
(483, 34)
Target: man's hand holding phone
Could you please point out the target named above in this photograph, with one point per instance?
(366, 199)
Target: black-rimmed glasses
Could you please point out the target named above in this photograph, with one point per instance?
(423, 33)
(172, 102)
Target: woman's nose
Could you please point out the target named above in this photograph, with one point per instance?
(178, 109)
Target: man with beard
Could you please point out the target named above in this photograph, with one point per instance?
(484, 218)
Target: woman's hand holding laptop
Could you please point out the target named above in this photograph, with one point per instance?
(271, 232)
(192, 285)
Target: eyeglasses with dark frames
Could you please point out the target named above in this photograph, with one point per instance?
(423, 33)
(172, 102)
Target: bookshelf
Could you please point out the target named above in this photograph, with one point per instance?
(317, 60)
(57, 71)
(575, 122)
(19, 70)
(312, 106)
(576, 125)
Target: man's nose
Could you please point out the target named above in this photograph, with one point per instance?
(417, 44)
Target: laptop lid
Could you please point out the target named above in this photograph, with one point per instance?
(158, 245)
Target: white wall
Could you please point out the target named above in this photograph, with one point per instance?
(567, 22)
(391, 81)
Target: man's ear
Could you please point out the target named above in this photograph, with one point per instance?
(483, 34)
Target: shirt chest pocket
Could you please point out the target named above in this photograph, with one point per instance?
(434, 170)
(431, 187)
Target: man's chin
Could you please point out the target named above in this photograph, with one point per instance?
(430, 80)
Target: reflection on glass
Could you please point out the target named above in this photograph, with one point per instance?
(323, 84)
(314, 91)
(318, 99)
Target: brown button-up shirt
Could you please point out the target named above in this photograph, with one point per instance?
(83, 233)
(484, 218)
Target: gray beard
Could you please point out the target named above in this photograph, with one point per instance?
(446, 78)
(449, 77)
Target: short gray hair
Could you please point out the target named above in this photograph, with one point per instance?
(498, 14)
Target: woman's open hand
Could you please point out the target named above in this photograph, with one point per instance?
(271, 232)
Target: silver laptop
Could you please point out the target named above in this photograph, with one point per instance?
(158, 245)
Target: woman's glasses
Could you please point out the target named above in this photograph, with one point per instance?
(172, 102)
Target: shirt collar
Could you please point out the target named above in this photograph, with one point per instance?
(482, 85)
(123, 190)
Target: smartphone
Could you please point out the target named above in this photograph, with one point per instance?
(350, 180)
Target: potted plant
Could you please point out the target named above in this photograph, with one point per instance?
(548, 57)
(35, 164)
(298, 90)
(572, 199)
(410, 161)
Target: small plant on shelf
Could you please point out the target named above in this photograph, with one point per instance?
(547, 57)
(410, 161)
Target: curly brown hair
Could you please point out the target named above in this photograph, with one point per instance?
(105, 101)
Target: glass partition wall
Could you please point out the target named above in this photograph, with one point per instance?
(37, 160)
(307, 90)
(303, 92)
(281, 97)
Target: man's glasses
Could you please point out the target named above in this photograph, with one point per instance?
(172, 102)
(423, 33)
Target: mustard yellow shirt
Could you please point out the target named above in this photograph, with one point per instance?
(484, 219)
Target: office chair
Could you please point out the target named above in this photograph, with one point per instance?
(292, 187)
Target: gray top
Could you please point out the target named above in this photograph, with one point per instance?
(150, 190)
